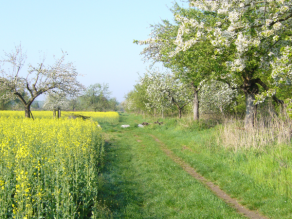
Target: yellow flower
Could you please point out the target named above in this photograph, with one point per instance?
(42, 150)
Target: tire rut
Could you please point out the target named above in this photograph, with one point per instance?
(214, 188)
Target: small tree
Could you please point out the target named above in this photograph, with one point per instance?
(216, 96)
(166, 89)
(136, 100)
(96, 97)
(74, 103)
(153, 80)
(56, 102)
(60, 77)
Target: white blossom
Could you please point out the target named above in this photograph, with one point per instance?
(269, 21)
(277, 26)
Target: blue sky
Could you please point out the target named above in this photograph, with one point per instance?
(97, 35)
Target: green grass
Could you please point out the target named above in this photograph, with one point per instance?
(239, 174)
(155, 187)
(261, 179)
(140, 181)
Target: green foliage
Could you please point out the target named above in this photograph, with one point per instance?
(96, 98)
(289, 107)
(136, 100)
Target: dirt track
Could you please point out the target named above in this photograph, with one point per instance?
(214, 188)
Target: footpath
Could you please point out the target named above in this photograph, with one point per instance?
(142, 178)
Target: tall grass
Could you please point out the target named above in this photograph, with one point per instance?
(265, 150)
(267, 131)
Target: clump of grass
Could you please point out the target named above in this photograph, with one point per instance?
(267, 131)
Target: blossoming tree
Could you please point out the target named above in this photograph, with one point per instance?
(192, 66)
(216, 96)
(56, 102)
(154, 95)
(165, 90)
(257, 31)
(59, 78)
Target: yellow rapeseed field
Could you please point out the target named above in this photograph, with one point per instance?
(111, 117)
(49, 167)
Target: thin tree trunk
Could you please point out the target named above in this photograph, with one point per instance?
(251, 109)
(31, 115)
(54, 113)
(179, 112)
(196, 105)
(59, 113)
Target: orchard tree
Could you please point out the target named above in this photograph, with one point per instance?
(216, 96)
(56, 101)
(192, 66)
(4, 103)
(113, 104)
(74, 103)
(61, 77)
(136, 100)
(156, 99)
(96, 97)
(255, 31)
(166, 88)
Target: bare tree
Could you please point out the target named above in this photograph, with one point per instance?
(61, 77)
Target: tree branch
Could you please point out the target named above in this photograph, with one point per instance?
(20, 97)
(28, 88)
(260, 82)
(38, 74)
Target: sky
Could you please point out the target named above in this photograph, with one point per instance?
(97, 35)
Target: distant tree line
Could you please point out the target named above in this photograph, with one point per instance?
(96, 97)
(19, 90)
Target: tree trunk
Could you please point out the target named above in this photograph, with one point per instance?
(196, 105)
(54, 113)
(27, 110)
(179, 112)
(251, 109)
(59, 113)
(221, 110)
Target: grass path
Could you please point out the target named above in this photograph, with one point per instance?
(141, 181)
(214, 188)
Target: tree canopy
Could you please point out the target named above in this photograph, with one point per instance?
(244, 44)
